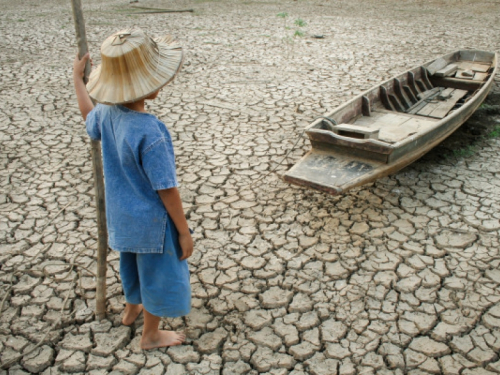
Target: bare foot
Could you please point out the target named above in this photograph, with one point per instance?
(162, 339)
(131, 313)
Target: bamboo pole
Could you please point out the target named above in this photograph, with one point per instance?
(102, 230)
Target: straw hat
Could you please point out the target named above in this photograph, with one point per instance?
(133, 67)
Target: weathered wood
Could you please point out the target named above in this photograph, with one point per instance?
(421, 86)
(409, 94)
(408, 128)
(445, 94)
(425, 79)
(477, 56)
(436, 65)
(398, 90)
(481, 68)
(440, 108)
(396, 103)
(464, 74)
(329, 139)
(384, 97)
(447, 71)
(461, 84)
(365, 106)
(426, 95)
(102, 231)
(474, 66)
(480, 76)
(412, 84)
(356, 131)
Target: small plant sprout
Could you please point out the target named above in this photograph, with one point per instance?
(283, 15)
(298, 33)
(300, 22)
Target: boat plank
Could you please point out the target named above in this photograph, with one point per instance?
(482, 68)
(471, 65)
(327, 171)
(480, 77)
(445, 106)
(391, 127)
(411, 126)
(456, 83)
(407, 115)
(477, 56)
(440, 108)
(381, 119)
(436, 65)
(447, 71)
(356, 131)
(464, 74)
(445, 94)
(423, 97)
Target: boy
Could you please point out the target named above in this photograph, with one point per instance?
(145, 218)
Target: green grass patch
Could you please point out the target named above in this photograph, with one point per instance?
(465, 152)
(300, 22)
(495, 133)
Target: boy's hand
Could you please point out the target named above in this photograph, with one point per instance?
(84, 102)
(186, 242)
(79, 65)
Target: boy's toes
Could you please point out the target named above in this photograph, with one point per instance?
(174, 338)
(163, 339)
(181, 337)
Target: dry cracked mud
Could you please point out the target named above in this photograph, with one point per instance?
(397, 277)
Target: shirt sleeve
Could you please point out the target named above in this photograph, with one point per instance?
(93, 124)
(158, 161)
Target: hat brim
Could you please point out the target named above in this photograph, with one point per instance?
(116, 89)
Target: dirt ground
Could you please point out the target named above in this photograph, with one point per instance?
(397, 277)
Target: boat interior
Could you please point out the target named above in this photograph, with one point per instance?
(403, 108)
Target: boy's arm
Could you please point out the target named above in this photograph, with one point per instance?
(84, 102)
(172, 201)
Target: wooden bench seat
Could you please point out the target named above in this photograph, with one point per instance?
(388, 126)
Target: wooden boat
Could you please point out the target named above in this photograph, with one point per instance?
(393, 124)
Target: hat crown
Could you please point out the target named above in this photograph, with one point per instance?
(129, 52)
(133, 66)
(127, 41)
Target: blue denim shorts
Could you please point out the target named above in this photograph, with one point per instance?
(160, 281)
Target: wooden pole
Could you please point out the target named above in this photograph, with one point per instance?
(102, 230)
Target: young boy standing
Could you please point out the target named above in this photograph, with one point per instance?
(145, 218)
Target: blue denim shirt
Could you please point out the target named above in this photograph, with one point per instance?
(138, 160)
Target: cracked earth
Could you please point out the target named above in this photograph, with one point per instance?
(397, 277)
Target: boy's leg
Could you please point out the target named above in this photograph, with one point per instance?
(131, 287)
(131, 313)
(154, 338)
